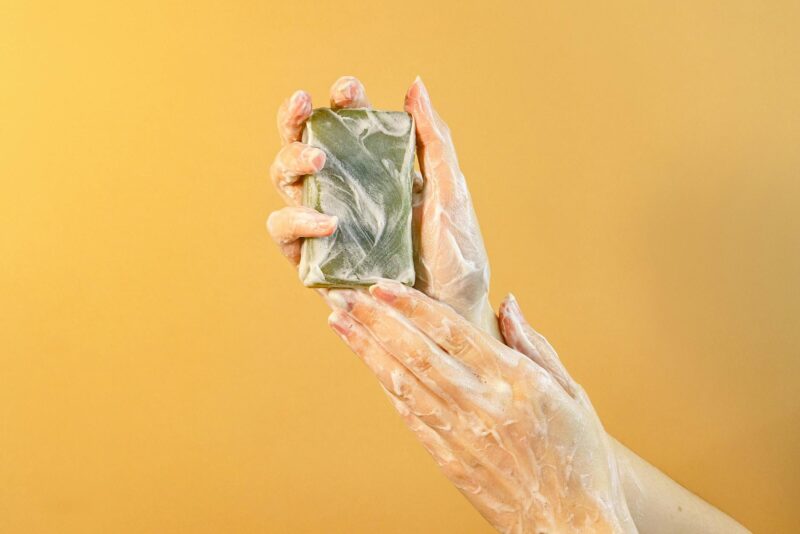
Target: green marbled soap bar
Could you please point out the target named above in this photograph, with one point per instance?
(366, 183)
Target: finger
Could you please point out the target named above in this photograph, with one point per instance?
(398, 381)
(293, 162)
(443, 446)
(291, 223)
(431, 129)
(288, 225)
(470, 467)
(447, 328)
(472, 457)
(521, 337)
(292, 116)
(437, 156)
(348, 92)
(433, 422)
(433, 441)
(441, 373)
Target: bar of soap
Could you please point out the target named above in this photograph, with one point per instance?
(366, 183)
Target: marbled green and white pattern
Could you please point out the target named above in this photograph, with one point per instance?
(366, 183)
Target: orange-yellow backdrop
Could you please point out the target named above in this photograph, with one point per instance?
(636, 170)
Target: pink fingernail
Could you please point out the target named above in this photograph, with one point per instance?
(298, 98)
(346, 90)
(314, 157)
(341, 299)
(326, 222)
(514, 309)
(340, 322)
(386, 292)
(299, 106)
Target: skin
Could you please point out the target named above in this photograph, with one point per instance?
(657, 503)
(509, 453)
(451, 261)
(528, 455)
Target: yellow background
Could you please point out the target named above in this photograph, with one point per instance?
(636, 170)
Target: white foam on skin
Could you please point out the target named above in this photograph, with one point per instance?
(529, 456)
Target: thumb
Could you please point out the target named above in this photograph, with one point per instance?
(435, 150)
(521, 337)
(431, 130)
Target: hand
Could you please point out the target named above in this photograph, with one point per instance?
(451, 260)
(295, 160)
(509, 432)
(656, 503)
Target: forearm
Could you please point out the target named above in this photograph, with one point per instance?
(658, 504)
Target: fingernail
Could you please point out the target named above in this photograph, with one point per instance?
(298, 99)
(511, 302)
(346, 90)
(385, 291)
(417, 98)
(314, 157)
(327, 222)
(423, 89)
(514, 309)
(340, 322)
(340, 299)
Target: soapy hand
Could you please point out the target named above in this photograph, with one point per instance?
(512, 431)
(287, 226)
(451, 263)
(509, 426)
(451, 260)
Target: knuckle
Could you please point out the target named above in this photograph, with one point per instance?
(291, 251)
(399, 384)
(291, 160)
(460, 348)
(297, 226)
(276, 171)
(281, 116)
(433, 418)
(294, 148)
(422, 361)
